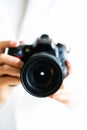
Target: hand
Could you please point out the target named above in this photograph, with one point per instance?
(9, 70)
(64, 95)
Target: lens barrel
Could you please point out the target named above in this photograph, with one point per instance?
(41, 75)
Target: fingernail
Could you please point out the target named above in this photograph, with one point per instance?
(17, 60)
(21, 42)
(21, 64)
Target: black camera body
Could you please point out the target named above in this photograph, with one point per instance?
(44, 65)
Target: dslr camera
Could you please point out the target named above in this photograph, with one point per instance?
(44, 65)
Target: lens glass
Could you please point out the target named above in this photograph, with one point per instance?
(41, 74)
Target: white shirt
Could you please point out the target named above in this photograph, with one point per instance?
(23, 111)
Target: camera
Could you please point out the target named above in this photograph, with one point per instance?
(44, 65)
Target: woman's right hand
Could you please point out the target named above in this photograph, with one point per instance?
(9, 70)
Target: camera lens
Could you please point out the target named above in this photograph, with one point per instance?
(41, 75)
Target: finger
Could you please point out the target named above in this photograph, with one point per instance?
(10, 60)
(9, 44)
(68, 67)
(9, 70)
(65, 99)
(9, 81)
(5, 44)
(62, 86)
(21, 42)
(63, 95)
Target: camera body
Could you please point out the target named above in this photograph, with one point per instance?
(44, 65)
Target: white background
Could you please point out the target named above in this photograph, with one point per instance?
(72, 30)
